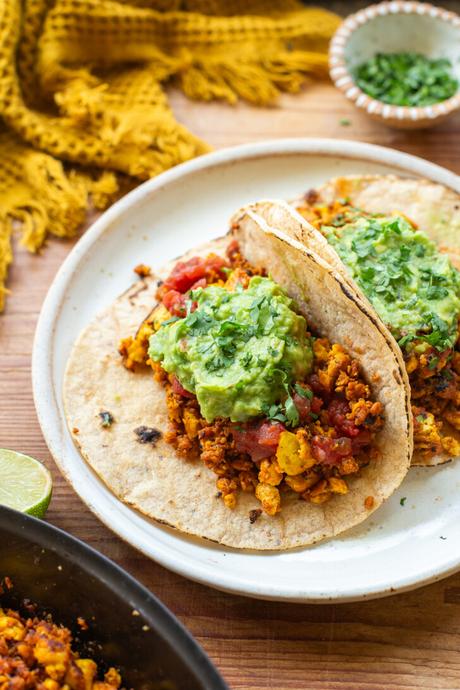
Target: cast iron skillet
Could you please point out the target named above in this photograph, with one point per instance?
(65, 577)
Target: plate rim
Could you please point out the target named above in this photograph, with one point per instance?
(43, 356)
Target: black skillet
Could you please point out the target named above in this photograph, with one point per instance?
(128, 627)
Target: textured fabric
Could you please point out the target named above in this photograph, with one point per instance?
(82, 105)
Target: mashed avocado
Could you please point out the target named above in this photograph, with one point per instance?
(238, 351)
(413, 287)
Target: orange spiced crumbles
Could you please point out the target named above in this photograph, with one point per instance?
(37, 653)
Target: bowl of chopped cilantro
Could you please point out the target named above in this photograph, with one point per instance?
(399, 62)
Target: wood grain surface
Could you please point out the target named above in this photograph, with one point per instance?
(409, 641)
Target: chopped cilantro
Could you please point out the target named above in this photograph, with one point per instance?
(168, 321)
(434, 361)
(239, 352)
(406, 78)
(286, 413)
(436, 292)
(303, 392)
(199, 323)
(275, 413)
(403, 500)
(292, 414)
(404, 252)
(345, 122)
(246, 360)
(414, 288)
(368, 273)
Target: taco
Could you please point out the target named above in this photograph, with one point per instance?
(253, 400)
(396, 242)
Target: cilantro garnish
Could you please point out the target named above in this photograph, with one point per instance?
(246, 360)
(403, 500)
(292, 413)
(275, 413)
(413, 287)
(198, 323)
(168, 321)
(286, 412)
(436, 292)
(303, 392)
(402, 342)
(238, 351)
(408, 79)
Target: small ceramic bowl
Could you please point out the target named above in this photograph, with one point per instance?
(392, 27)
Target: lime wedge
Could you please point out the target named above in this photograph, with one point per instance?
(25, 484)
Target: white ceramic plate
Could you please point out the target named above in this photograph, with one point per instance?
(401, 546)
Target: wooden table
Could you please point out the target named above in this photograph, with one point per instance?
(410, 641)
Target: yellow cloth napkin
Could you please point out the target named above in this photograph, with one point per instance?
(82, 106)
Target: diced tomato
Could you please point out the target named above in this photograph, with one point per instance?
(179, 389)
(303, 405)
(186, 273)
(269, 433)
(201, 283)
(232, 248)
(337, 411)
(317, 386)
(316, 405)
(258, 441)
(174, 302)
(364, 438)
(329, 451)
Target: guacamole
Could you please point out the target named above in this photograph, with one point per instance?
(237, 351)
(413, 287)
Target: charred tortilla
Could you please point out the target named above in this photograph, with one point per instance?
(132, 457)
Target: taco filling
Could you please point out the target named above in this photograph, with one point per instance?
(415, 289)
(267, 404)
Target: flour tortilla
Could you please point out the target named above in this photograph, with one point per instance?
(182, 494)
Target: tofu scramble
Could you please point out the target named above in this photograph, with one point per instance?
(37, 653)
(417, 296)
(302, 421)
